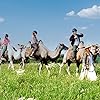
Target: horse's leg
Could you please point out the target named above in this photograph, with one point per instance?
(61, 67)
(83, 72)
(23, 64)
(63, 62)
(67, 69)
(12, 66)
(77, 68)
(9, 62)
(40, 66)
(9, 65)
(47, 66)
(0, 61)
(48, 69)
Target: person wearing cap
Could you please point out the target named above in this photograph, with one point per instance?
(34, 37)
(34, 42)
(75, 40)
(4, 44)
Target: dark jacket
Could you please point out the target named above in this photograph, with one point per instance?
(72, 39)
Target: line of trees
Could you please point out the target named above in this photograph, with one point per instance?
(98, 59)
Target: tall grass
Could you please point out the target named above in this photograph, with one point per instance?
(55, 87)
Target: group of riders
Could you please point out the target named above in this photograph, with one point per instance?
(74, 41)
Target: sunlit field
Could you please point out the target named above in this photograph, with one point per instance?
(55, 87)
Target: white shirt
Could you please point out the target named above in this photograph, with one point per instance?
(76, 41)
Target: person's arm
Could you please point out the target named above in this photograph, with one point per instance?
(80, 35)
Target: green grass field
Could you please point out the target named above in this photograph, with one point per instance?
(55, 87)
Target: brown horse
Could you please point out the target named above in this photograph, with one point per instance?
(43, 54)
(69, 57)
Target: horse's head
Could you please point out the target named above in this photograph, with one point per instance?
(93, 49)
(62, 46)
(21, 46)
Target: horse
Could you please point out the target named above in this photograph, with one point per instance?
(43, 54)
(16, 54)
(69, 57)
(88, 70)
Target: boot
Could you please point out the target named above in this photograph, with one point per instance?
(74, 54)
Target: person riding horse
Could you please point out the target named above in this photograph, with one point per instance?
(34, 42)
(4, 45)
(75, 40)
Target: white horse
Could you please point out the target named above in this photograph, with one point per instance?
(14, 54)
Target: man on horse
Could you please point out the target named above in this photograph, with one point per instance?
(75, 40)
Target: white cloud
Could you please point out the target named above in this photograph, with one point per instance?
(71, 13)
(83, 28)
(2, 19)
(93, 12)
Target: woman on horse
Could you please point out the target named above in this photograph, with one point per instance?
(4, 44)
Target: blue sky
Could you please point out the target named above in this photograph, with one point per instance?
(53, 19)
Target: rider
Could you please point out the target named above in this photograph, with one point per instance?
(34, 42)
(75, 40)
(4, 45)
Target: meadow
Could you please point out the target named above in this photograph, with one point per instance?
(55, 87)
